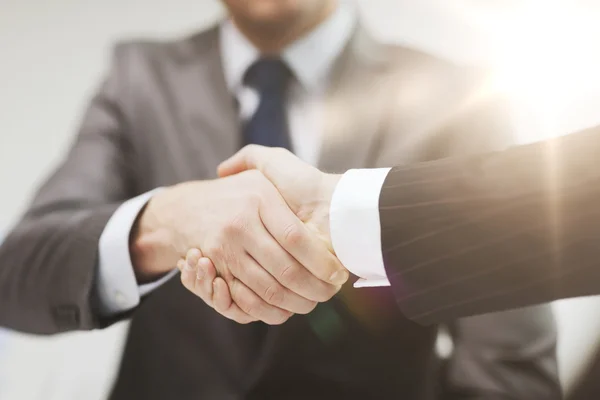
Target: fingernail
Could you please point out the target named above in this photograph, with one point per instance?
(339, 277)
(180, 265)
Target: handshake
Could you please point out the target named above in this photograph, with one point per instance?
(254, 244)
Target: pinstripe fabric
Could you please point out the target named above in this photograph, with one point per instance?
(496, 231)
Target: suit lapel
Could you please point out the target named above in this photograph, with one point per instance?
(208, 109)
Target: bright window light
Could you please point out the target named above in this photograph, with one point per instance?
(548, 62)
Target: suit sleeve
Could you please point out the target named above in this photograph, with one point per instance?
(497, 231)
(510, 354)
(48, 262)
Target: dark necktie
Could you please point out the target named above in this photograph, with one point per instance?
(268, 125)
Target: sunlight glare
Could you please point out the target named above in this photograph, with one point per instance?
(546, 60)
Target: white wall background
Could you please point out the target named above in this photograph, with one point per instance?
(52, 55)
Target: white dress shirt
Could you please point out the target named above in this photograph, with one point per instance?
(355, 226)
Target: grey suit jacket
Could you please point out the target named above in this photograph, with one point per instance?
(164, 116)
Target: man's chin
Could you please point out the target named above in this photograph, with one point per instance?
(273, 13)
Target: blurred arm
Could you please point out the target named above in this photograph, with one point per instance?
(494, 231)
(506, 355)
(48, 263)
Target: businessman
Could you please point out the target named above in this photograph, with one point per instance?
(458, 236)
(100, 243)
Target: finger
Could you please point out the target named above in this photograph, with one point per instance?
(193, 256)
(245, 159)
(276, 164)
(258, 279)
(188, 275)
(306, 247)
(225, 306)
(222, 296)
(297, 285)
(302, 244)
(251, 304)
(198, 278)
(207, 273)
(181, 265)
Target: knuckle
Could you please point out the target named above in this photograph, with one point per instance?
(223, 262)
(236, 226)
(274, 294)
(249, 305)
(292, 235)
(289, 275)
(221, 259)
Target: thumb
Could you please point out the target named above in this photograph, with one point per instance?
(245, 159)
(277, 164)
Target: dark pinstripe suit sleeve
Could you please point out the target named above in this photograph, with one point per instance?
(496, 231)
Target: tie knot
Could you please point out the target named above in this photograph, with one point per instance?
(268, 74)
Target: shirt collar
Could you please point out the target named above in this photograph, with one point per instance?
(310, 58)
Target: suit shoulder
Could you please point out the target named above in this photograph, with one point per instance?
(441, 80)
(141, 69)
(157, 52)
(432, 64)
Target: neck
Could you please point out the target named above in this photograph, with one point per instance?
(273, 38)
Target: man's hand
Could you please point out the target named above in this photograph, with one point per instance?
(199, 272)
(306, 190)
(199, 275)
(243, 225)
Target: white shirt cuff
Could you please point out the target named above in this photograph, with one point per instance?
(116, 286)
(355, 227)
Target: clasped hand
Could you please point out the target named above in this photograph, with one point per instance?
(254, 244)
